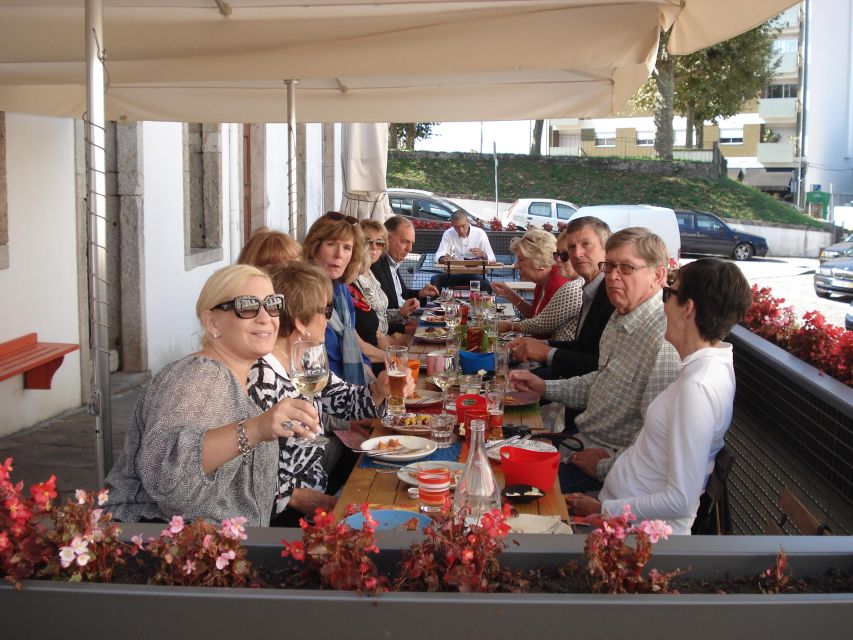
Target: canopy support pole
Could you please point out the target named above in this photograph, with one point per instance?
(97, 232)
(291, 156)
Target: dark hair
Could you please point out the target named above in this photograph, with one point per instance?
(720, 293)
(600, 227)
(395, 222)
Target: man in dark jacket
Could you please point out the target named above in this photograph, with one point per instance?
(586, 238)
(401, 239)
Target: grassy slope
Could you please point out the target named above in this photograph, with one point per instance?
(520, 176)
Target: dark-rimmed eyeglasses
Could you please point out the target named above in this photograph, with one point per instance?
(623, 268)
(561, 255)
(667, 293)
(375, 243)
(248, 307)
(327, 311)
(336, 216)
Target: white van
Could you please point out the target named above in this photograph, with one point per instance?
(660, 220)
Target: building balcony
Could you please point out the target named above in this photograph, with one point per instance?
(775, 152)
(788, 63)
(778, 109)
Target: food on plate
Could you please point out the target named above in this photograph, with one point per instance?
(531, 492)
(435, 332)
(415, 396)
(411, 524)
(416, 419)
(391, 443)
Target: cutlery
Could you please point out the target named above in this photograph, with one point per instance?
(500, 443)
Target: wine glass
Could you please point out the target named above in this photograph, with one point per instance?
(309, 372)
(444, 374)
(451, 317)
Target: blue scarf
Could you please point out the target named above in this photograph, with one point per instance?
(341, 323)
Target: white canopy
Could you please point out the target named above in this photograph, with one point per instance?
(356, 60)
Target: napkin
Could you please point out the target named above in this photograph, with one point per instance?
(527, 523)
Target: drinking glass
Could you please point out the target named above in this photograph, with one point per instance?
(474, 286)
(470, 384)
(433, 486)
(441, 428)
(451, 318)
(396, 365)
(495, 395)
(309, 372)
(443, 365)
(501, 363)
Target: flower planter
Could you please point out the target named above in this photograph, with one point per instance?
(54, 609)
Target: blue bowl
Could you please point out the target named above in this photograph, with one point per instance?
(388, 519)
(471, 362)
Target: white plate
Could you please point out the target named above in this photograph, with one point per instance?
(425, 397)
(409, 473)
(424, 448)
(531, 445)
(398, 423)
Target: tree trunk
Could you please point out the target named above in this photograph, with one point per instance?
(410, 135)
(536, 141)
(664, 81)
(688, 136)
(699, 125)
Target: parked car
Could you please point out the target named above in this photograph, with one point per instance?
(835, 250)
(703, 232)
(658, 219)
(423, 205)
(848, 319)
(835, 276)
(536, 212)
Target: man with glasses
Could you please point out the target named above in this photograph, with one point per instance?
(585, 240)
(462, 242)
(401, 239)
(635, 362)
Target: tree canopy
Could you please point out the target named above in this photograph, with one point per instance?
(403, 135)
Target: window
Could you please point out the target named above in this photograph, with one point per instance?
(202, 194)
(707, 223)
(605, 139)
(731, 136)
(645, 138)
(433, 211)
(780, 91)
(785, 45)
(564, 212)
(4, 204)
(542, 209)
(685, 220)
(401, 206)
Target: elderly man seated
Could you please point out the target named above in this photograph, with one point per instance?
(635, 363)
(460, 242)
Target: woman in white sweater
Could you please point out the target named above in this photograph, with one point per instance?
(663, 474)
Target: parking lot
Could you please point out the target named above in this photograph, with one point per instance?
(792, 279)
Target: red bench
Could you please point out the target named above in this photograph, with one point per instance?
(38, 361)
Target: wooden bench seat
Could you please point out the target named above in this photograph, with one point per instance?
(37, 361)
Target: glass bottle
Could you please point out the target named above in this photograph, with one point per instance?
(477, 491)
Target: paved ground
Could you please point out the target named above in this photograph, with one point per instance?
(65, 445)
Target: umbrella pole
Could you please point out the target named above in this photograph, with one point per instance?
(291, 155)
(97, 231)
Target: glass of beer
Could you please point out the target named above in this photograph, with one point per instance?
(396, 365)
(495, 395)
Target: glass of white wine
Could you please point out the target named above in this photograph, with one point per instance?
(309, 372)
(444, 375)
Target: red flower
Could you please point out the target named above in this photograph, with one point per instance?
(44, 492)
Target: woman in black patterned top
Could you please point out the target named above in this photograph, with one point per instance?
(301, 477)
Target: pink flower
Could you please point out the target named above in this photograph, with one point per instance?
(176, 524)
(83, 559)
(77, 551)
(189, 566)
(655, 529)
(103, 496)
(225, 559)
(96, 516)
(81, 496)
(370, 583)
(467, 555)
(137, 540)
(626, 513)
(66, 557)
(234, 528)
(207, 542)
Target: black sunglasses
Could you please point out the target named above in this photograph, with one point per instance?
(328, 310)
(667, 293)
(561, 255)
(248, 307)
(336, 216)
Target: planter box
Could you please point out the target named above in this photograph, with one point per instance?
(52, 609)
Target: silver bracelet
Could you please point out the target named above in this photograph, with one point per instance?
(243, 445)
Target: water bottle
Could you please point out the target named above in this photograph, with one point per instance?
(477, 491)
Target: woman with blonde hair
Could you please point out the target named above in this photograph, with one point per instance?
(267, 248)
(197, 445)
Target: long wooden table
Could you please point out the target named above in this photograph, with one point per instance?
(378, 487)
(472, 267)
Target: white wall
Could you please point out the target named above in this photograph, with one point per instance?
(39, 289)
(170, 290)
(789, 242)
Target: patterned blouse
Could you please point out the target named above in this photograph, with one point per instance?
(301, 467)
(375, 297)
(159, 474)
(558, 319)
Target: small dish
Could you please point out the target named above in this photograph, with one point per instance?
(409, 473)
(415, 448)
(391, 519)
(522, 493)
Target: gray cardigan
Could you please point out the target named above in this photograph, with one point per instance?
(159, 473)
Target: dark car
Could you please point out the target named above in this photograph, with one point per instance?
(835, 276)
(848, 319)
(424, 205)
(703, 232)
(835, 250)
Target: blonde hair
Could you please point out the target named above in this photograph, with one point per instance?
(221, 286)
(333, 227)
(267, 248)
(537, 246)
(374, 226)
(649, 246)
(305, 287)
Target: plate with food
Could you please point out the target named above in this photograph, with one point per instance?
(391, 520)
(433, 317)
(417, 423)
(423, 398)
(520, 399)
(531, 445)
(434, 335)
(409, 473)
(398, 448)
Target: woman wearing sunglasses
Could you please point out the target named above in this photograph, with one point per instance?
(302, 479)
(554, 313)
(662, 475)
(197, 445)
